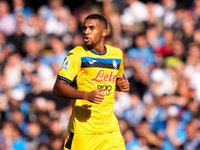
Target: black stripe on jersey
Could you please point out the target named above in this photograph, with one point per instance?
(74, 83)
(69, 142)
(98, 65)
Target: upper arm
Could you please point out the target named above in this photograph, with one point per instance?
(59, 86)
(68, 71)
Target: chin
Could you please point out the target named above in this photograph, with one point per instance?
(89, 46)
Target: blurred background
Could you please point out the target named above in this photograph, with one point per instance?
(161, 45)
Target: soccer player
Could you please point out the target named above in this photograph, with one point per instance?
(98, 71)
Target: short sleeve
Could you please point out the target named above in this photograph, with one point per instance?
(70, 67)
(121, 68)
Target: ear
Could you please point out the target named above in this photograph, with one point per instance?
(104, 33)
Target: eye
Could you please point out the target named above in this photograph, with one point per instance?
(92, 28)
(84, 28)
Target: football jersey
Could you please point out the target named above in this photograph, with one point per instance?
(92, 71)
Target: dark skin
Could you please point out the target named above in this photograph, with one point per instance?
(94, 33)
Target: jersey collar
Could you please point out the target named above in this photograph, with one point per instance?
(95, 52)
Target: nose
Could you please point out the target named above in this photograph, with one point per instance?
(86, 31)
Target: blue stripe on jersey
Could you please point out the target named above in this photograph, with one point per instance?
(63, 78)
(100, 60)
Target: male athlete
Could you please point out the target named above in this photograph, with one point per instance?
(98, 71)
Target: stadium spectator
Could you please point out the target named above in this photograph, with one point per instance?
(47, 11)
(192, 138)
(135, 110)
(168, 17)
(20, 8)
(58, 25)
(178, 54)
(142, 60)
(134, 7)
(7, 21)
(131, 142)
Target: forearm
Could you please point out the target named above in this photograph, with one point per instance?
(64, 90)
(117, 87)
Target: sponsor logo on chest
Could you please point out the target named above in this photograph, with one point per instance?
(102, 76)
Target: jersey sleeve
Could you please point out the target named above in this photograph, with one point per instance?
(70, 67)
(121, 67)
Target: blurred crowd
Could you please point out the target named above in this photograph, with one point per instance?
(161, 45)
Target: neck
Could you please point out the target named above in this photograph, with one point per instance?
(100, 48)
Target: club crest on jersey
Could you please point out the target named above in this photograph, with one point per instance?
(115, 64)
(65, 64)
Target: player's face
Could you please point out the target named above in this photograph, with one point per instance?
(93, 32)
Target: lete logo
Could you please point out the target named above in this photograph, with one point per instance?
(101, 76)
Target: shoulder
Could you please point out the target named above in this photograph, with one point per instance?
(78, 50)
(113, 49)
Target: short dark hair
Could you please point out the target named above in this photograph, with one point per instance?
(101, 18)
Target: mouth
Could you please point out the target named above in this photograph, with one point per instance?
(86, 39)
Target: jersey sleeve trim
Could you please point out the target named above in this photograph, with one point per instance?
(63, 78)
